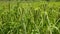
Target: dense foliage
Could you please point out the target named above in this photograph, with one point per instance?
(30, 18)
(33, 0)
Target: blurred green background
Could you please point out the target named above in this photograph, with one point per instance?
(30, 17)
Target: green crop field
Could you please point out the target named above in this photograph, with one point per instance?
(29, 17)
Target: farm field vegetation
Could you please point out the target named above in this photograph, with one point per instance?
(29, 17)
